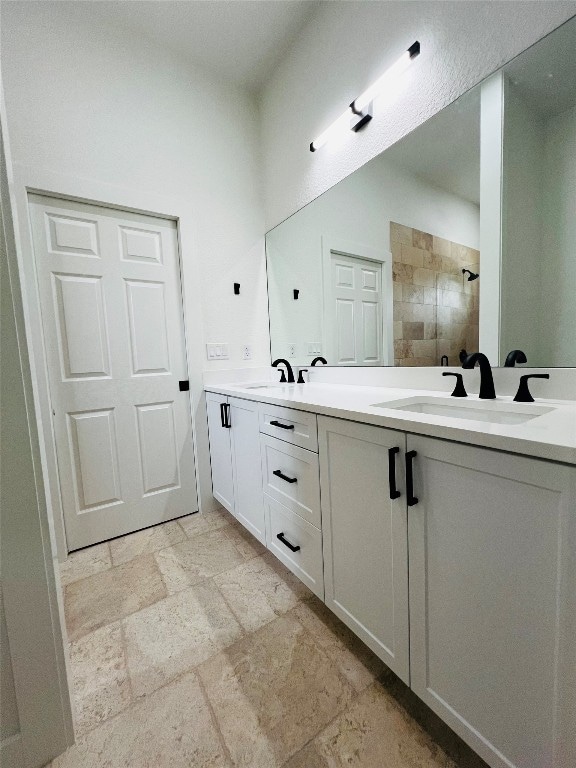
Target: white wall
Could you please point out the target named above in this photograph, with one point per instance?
(358, 211)
(522, 263)
(346, 46)
(94, 102)
(558, 254)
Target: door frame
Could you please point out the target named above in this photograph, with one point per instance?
(353, 249)
(35, 632)
(28, 181)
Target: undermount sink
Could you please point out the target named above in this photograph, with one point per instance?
(500, 413)
(270, 385)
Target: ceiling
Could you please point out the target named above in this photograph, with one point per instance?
(239, 40)
(445, 150)
(545, 74)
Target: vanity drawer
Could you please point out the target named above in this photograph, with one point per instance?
(296, 427)
(290, 475)
(286, 531)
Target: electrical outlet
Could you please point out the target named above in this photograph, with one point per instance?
(247, 352)
(291, 350)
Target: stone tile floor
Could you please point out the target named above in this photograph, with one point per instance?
(192, 646)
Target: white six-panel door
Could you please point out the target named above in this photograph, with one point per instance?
(356, 298)
(110, 298)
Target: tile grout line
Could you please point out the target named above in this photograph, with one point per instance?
(127, 666)
(213, 716)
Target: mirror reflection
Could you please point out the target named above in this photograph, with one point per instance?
(459, 237)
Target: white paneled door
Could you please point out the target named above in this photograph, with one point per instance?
(109, 286)
(356, 298)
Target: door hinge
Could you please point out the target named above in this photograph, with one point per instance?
(184, 386)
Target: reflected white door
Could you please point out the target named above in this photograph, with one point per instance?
(356, 321)
(110, 298)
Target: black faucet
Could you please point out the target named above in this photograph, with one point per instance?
(487, 391)
(319, 360)
(516, 356)
(289, 370)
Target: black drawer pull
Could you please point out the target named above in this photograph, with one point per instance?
(278, 473)
(394, 492)
(224, 415)
(286, 543)
(282, 426)
(412, 500)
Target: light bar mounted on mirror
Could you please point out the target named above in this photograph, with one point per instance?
(360, 111)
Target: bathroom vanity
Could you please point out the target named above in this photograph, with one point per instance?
(447, 543)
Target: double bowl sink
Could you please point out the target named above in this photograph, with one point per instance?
(476, 410)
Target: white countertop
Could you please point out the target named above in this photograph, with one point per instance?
(550, 436)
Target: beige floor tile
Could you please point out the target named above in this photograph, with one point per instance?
(85, 562)
(142, 542)
(172, 728)
(248, 546)
(111, 595)
(271, 692)
(194, 560)
(208, 521)
(354, 659)
(373, 732)
(177, 634)
(260, 590)
(100, 685)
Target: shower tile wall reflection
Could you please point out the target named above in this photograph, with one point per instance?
(435, 305)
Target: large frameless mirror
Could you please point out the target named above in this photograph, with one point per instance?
(462, 236)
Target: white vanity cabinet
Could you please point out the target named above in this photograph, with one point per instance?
(234, 432)
(455, 564)
(365, 535)
(492, 547)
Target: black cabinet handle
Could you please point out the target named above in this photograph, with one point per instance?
(286, 543)
(412, 500)
(282, 426)
(394, 492)
(228, 419)
(225, 415)
(278, 473)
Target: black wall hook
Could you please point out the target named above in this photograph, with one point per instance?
(237, 288)
(296, 293)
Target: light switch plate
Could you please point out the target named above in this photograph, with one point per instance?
(217, 351)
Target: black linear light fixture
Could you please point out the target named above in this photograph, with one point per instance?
(359, 113)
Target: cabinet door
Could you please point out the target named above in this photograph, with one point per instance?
(220, 451)
(492, 544)
(365, 536)
(245, 433)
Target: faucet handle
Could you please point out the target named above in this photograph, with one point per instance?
(459, 390)
(524, 395)
(282, 375)
(301, 379)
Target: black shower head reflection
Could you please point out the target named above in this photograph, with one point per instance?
(471, 275)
